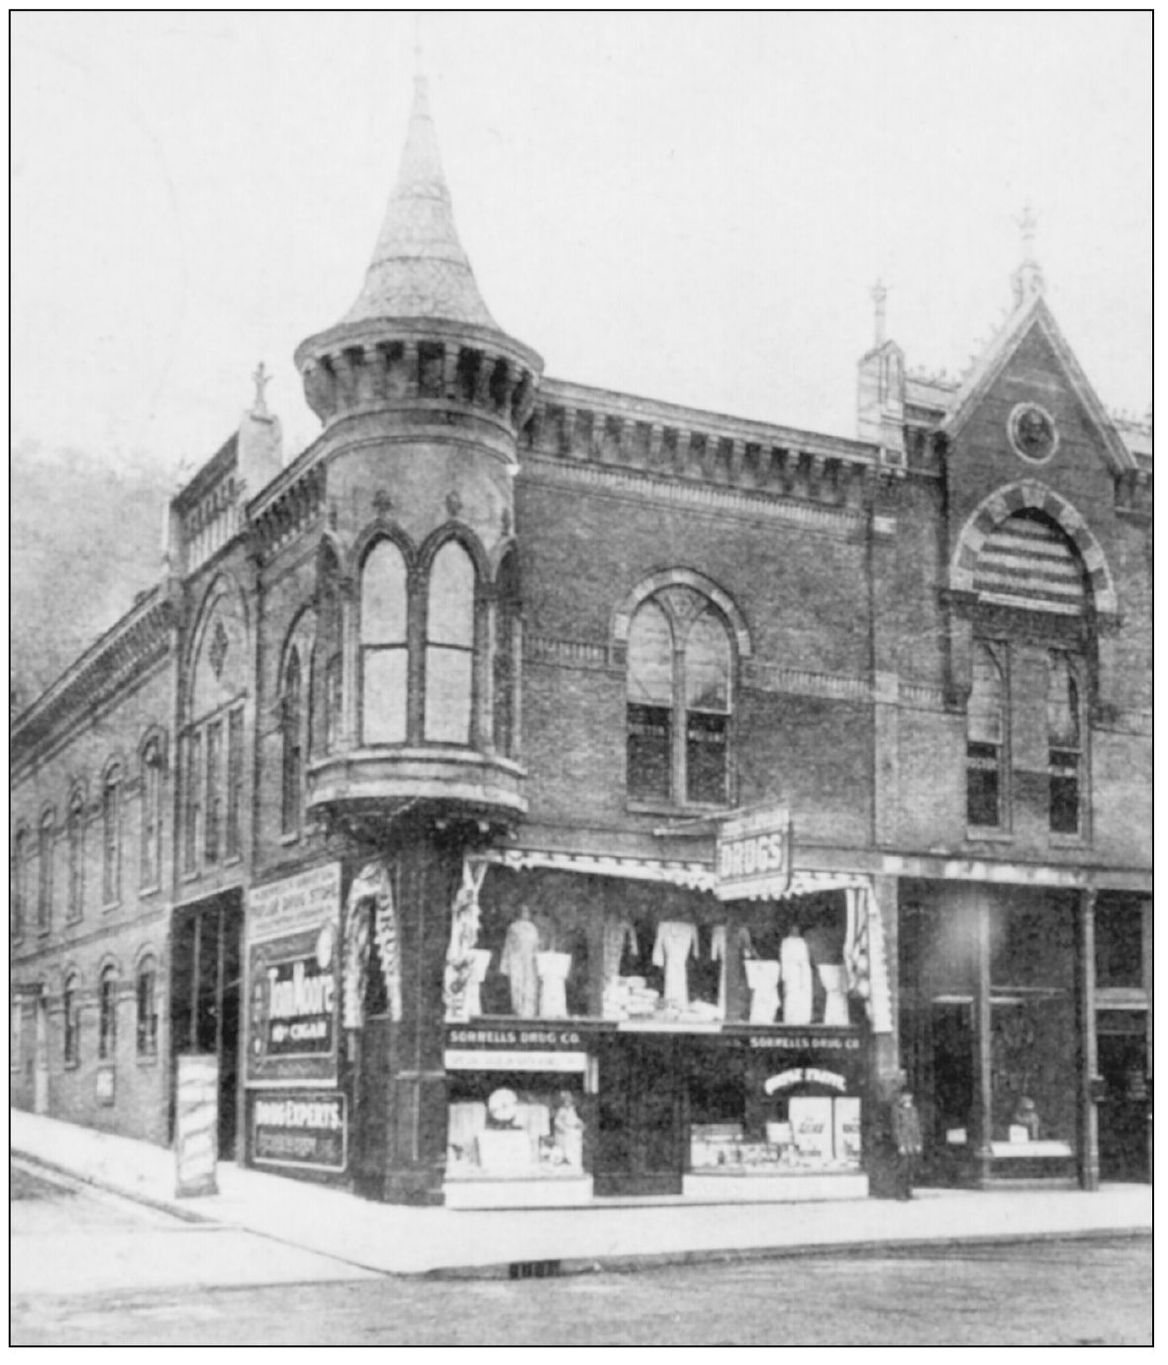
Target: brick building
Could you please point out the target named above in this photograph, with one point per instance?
(530, 793)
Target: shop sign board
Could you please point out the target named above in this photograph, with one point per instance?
(300, 1128)
(196, 1123)
(753, 854)
(293, 964)
(498, 1059)
(533, 1037)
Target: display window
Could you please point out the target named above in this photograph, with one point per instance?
(516, 1126)
(551, 945)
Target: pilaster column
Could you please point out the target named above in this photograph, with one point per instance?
(350, 663)
(983, 1092)
(1088, 1050)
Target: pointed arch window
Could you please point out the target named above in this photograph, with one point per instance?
(450, 641)
(111, 837)
(292, 761)
(146, 1003)
(19, 889)
(107, 1015)
(985, 739)
(679, 701)
(76, 838)
(45, 873)
(384, 654)
(71, 1023)
(151, 825)
(1064, 737)
(508, 654)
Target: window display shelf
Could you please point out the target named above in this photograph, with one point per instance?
(1043, 1148)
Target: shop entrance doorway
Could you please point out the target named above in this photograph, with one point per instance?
(1123, 1113)
(204, 997)
(641, 1138)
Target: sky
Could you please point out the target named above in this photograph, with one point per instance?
(689, 207)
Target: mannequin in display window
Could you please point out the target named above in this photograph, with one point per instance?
(568, 1131)
(518, 964)
(796, 973)
(552, 970)
(677, 942)
(762, 977)
(835, 1005)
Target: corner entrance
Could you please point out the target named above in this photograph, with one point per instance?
(641, 1146)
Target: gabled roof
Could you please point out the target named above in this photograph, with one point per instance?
(419, 269)
(1033, 313)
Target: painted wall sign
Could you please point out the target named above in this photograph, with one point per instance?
(804, 1075)
(753, 854)
(512, 1038)
(196, 1122)
(293, 976)
(309, 899)
(300, 1128)
(805, 1042)
(497, 1059)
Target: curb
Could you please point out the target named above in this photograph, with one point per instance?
(660, 1260)
(175, 1209)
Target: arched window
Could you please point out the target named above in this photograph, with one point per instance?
(111, 837)
(76, 835)
(151, 825)
(1064, 739)
(107, 1015)
(45, 872)
(71, 1024)
(292, 762)
(680, 664)
(508, 644)
(985, 740)
(19, 891)
(146, 1001)
(450, 640)
(383, 646)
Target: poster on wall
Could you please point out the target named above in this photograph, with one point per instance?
(196, 1123)
(293, 976)
(299, 1128)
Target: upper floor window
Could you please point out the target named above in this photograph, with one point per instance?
(151, 824)
(76, 837)
(19, 890)
(213, 803)
(384, 653)
(45, 872)
(292, 758)
(679, 700)
(111, 837)
(146, 1002)
(450, 641)
(107, 1002)
(193, 801)
(985, 740)
(332, 701)
(71, 1023)
(233, 844)
(1064, 731)
(508, 646)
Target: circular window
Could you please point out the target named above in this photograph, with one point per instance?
(1033, 433)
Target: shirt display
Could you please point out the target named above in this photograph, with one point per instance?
(677, 941)
(835, 1007)
(552, 970)
(762, 977)
(796, 972)
(518, 965)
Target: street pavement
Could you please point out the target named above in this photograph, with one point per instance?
(89, 1268)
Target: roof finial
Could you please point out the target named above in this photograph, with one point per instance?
(1027, 280)
(879, 296)
(261, 378)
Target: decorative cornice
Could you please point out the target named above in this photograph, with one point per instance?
(544, 649)
(297, 506)
(137, 641)
(700, 496)
(764, 677)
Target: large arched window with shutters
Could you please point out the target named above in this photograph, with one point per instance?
(384, 647)
(986, 731)
(450, 645)
(679, 700)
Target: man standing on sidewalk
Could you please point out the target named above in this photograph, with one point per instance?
(906, 1134)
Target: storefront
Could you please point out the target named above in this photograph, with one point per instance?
(631, 1028)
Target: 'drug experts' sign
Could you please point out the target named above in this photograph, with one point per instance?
(294, 979)
(753, 855)
(299, 1128)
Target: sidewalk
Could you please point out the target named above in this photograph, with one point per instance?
(407, 1241)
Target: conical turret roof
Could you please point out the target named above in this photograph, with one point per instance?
(419, 269)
